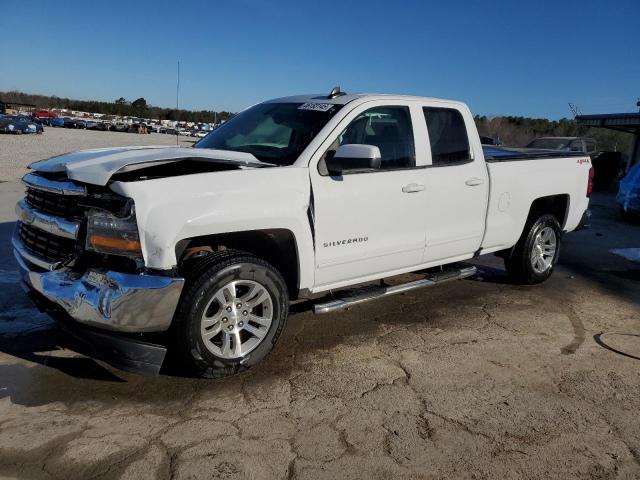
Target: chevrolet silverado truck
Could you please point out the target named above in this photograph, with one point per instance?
(197, 252)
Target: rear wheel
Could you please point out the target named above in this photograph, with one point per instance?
(533, 258)
(233, 311)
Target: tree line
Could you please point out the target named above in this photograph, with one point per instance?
(121, 106)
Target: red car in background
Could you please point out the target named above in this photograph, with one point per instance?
(45, 114)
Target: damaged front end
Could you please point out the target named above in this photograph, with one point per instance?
(79, 255)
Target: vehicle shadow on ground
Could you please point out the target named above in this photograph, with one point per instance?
(37, 345)
(29, 335)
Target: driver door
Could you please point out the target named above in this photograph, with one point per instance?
(370, 223)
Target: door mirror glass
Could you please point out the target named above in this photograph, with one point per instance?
(352, 158)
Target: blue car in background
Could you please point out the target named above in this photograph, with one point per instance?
(18, 125)
(56, 122)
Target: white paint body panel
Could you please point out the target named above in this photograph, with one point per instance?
(460, 210)
(171, 209)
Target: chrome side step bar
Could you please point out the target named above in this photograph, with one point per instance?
(354, 296)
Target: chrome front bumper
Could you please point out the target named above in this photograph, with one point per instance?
(110, 300)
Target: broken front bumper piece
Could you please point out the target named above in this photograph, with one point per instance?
(108, 300)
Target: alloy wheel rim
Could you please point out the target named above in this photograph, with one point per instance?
(236, 319)
(544, 250)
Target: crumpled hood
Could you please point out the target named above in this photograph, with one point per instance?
(96, 166)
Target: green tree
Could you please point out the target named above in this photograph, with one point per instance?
(140, 107)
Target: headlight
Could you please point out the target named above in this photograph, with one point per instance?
(109, 234)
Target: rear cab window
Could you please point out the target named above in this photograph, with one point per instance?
(448, 136)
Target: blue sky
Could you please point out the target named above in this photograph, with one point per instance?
(501, 57)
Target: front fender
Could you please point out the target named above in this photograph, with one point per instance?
(172, 209)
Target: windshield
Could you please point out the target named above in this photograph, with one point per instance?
(550, 143)
(272, 132)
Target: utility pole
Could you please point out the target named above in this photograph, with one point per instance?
(177, 102)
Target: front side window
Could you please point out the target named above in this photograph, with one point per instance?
(447, 136)
(389, 129)
(272, 132)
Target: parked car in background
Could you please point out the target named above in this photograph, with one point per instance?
(74, 123)
(139, 128)
(18, 125)
(490, 141)
(199, 134)
(104, 126)
(91, 125)
(39, 121)
(56, 122)
(565, 144)
(44, 114)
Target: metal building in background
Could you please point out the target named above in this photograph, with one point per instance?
(623, 122)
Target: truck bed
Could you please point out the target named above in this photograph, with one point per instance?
(509, 154)
(520, 176)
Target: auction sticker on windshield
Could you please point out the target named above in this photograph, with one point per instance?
(319, 107)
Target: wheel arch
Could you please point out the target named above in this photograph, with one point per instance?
(556, 205)
(277, 246)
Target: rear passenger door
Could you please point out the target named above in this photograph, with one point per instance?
(457, 184)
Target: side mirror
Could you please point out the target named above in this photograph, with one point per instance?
(355, 157)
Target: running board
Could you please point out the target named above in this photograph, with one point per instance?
(348, 298)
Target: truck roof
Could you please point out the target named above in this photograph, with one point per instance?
(349, 97)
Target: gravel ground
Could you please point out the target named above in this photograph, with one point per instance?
(18, 151)
(475, 379)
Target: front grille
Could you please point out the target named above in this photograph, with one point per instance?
(54, 204)
(45, 245)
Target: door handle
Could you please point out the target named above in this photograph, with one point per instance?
(473, 182)
(412, 188)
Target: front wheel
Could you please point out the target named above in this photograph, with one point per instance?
(232, 312)
(533, 258)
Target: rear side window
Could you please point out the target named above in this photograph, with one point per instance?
(447, 136)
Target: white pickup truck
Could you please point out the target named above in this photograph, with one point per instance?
(202, 249)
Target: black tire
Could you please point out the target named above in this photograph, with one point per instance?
(204, 277)
(518, 262)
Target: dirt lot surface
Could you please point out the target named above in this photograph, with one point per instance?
(17, 151)
(472, 379)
